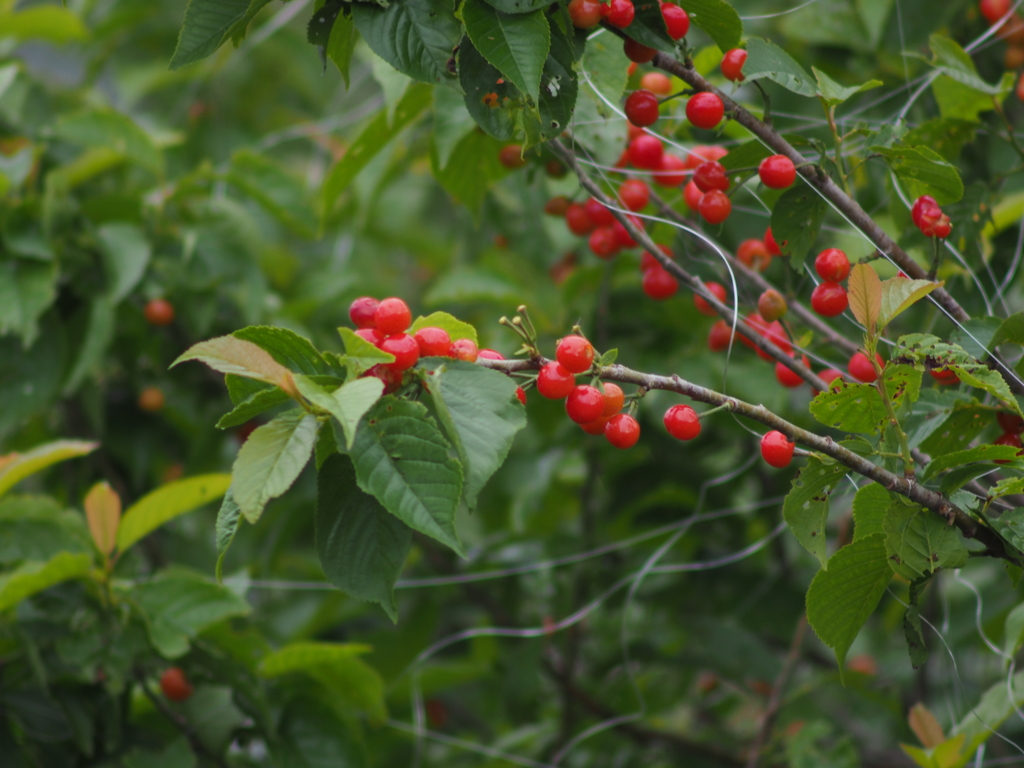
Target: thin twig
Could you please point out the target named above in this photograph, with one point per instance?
(771, 712)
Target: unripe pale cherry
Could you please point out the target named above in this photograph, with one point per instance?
(575, 353)
(754, 254)
(489, 354)
(584, 404)
(832, 265)
(465, 349)
(732, 64)
(705, 110)
(777, 450)
(682, 422)
(362, 312)
(771, 305)
(702, 304)
(829, 299)
(656, 83)
(861, 368)
(554, 382)
(777, 172)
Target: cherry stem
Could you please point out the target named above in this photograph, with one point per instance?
(716, 409)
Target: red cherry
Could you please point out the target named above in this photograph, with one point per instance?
(676, 20)
(831, 374)
(174, 685)
(994, 10)
(1011, 440)
(584, 404)
(596, 427)
(362, 312)
(638, 53)
(633, 131)
(776, 449)
(598, 213)
(489, 354)
(705, 110)
(622, 236)
(614, 399)
(151, 399)
(585, 14)
(405, 349)
(670, 172)
(861, 368)
(776, 334)
(922, 204)
(433, 342)
(1009, 422)
(754, 254)
(832, 265)
(692, 196)
(770, 244)
(371, 335)
(159, 312)
(620, 13)
(788, 378)
(658, 284)
(732, 64)
(945, 376)
(701, 303)
(682, 422)
(647, 261)
(465, 349)
(622, 431)
(656, 83)
(711, 175)
(829, 299)
(934, 223)
(719, 336)
(603, 242)
(554, 382)
(634, 194)
(521, 394)
(646, 151)
(575, 353)
(511, 156)
(391, 379)
(705, 155)
(642, 108)
(777, 172)
(715, 207)
(392, 316)
(577, 220)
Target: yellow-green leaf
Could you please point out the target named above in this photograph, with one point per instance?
(865, 291)
(103, 511)
(899, 294)
(16, 467)
(167, 502)
(32, 577)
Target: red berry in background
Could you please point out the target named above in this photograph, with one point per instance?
(711, 175)
(511, 156)
(174, 685)
(584, 404)
(433, 342)
(622, 431)
(777, 172)
(682, 422)
(598, 213)
(829, 299)
(776, 334)
(1010, 422)
(638, 53)
(622, 236)
(634, 194)
(577, 220)
(945, 376)
(934, 223)
(521, 394)
(922, 204)
(757, 325)
(671, 172)
(994, 10)
(656, 83)
(489, 354)
(776, 449)
(362, 312)
(575, 353)
(632, 131)
(596, 427)
(705, 154)
(692, 196)
(391, 379)
(645, 152)
(647, 261)
(701, 303)
(658, 284)
(714, 207)
(861, 368)
(831, 374)
(585, 14)
(557, 206)
(642, 108)
(371, 335)
(554, 382)
(603, 242)
(676, 20)
(788, 378)
(405, 349)
(732, 64)
(1011, 440)
(753, 253)
(159, 312)
(770, 244)
(1020, 84)
(832, 265)
(392, 316)
(705, 110)
(620, 13)
(465, 349)
(719, 336)
(614, 399)
(151, 399)
(771, 305)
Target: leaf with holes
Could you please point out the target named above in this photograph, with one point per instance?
(958, 429)
(957, 459)
(491, 100)
(918, 542)
(870, 505)
(806, 505)
(849, 406)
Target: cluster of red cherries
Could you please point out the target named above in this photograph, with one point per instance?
(1012, 425)
(929, 218)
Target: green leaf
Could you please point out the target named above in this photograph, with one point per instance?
(15, 467)
(716, 17)
(557, 93)
(271, 460)
(806, 505)
(796, 220)
(765, 59)
(315, 735)
(960, 102)
(992, 710)
(648, 26)
(840, 599)
(493, 102)
(472, 170)
(107, 129)
(181, 604)
(912, 629)
(480, 413)
(975, 336)
(919, 542)
(168, 502)
(318, 31)
(362, 547)
(280, 193)
(455, 328)
(126, 253)
(865, 291)
(401, 458)
(954, 62)
(287, 348)
(27, 288)
(37, 528)
(849, 406)
(958, 458)
(870, 505)
(99, 333)
(957, 430)
(375, 136)
(899, 294)
(43, 22)
(32, 577)
(452, 124)
(518, 6)
(342, 44)
(207, 25)
(229, 518)
(254, 405)
(361, 353)
(834, 94)
(922, 171)
(1013, 637)
(1011, 331)
(990, 381)
(416, 37)
(348, 403)
(230, 354)
(946, 135)
(44, 365)
(515, 44)
(746, 155)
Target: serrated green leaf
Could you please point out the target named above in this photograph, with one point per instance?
(1011, 331)
(207, 25)
(558, 91)
(805, 507)
(515, 44)
(849, 406)
(912, 629)
(834, 94)
(767, 60)
(257, 403)
(474, 168)
(648, 26)
(318, 31)
(958, 458)
(167, 502)
(842, 598)
(493, 102)
(954, 62)
(922, 171)
(455, 328)
(957, 430)
(980, 377)
(231, 355)
(271, 460)
(361, 546)
(796, 220)
(746, 155)
(348, 403)
(416, 37)
(869, 507)
(402, 459)
(719, 19)
(15, 467)
(899, 294)
(229, 518)
(946, 135)
(33, 576)
(342, 44)
(919, 542)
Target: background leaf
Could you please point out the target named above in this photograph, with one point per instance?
(167, 502)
